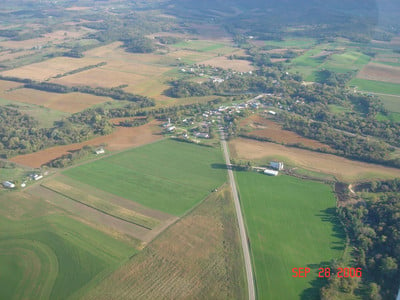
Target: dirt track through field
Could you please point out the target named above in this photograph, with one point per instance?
(122, 138)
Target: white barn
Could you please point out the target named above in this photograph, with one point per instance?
(8, 185)
(271, 172)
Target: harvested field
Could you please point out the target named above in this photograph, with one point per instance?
(380, 72)
(225, 63)
(341, 168)
(122, 138)
(55, 37)
(50, 68)
(14, 55)
(70, 103)
(266, 128)
(190, 56)
(6, 85)
(197, 258)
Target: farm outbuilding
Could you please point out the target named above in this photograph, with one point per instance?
(276, 165)
(8, 185)
(99, 151)
(271, 172)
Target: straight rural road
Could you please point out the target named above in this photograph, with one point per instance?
(242, 228)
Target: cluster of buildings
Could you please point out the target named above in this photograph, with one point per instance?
(275, 167)
(11, 185)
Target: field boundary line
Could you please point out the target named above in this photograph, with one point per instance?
(95, 208)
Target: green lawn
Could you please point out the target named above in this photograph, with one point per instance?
(169, 176)
(376, 86)
(46, 254)
(291, 224)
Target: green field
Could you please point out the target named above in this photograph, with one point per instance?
(169, 176)
(204, 46)
(376, 86)
(46, 254)
(45, 116)
(303, 43)
(291, 224)
(391, 103)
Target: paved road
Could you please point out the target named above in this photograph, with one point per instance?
(242, 229)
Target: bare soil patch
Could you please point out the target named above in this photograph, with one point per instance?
(122, 138)
(266, 128)
(380, 72)
(342, 168)
(71, 102)
(6, 85)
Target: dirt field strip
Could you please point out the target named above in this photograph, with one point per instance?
(122, 138)
(380, 72)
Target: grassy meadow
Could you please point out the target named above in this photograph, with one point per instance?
(291, 224)
(47, 254)
(374, 86)
(168, 176)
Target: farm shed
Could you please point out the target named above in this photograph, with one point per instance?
(271, 172)
(8, 185)
(276, 165)
(99, 151)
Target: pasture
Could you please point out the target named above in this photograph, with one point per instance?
(291, 224)
(303, 43)
(374, 86)
(48, 254)
(391, 103)
(199, 257)
(68, 103)
(340, 167)
(168, 176)
(204, 46)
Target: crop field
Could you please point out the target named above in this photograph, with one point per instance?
(68, 103)
(341, 168)
(46, 253)
(50, 68)
(380, 72)
(291, 224)
(199, 257)
(374, 86)
(169, 176)
(122, 138)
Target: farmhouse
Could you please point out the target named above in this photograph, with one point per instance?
(271, 112)
(271, 172)
(8, 185)
(276, 165)
(99, 151)
(202, 135)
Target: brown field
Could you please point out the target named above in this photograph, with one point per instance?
(6, 85)
(197, 258)
(7, 55)
(268, 129)
(194, 56)
(70, 103)
(341, 168)
(50, 68)
(225, 63)
(122, 138)
(380, 72)
(55, 37)
(77, 8)
(275, 60)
